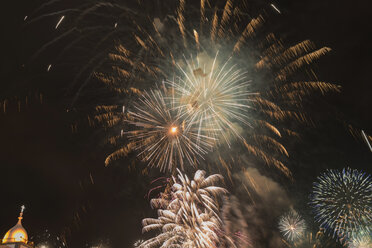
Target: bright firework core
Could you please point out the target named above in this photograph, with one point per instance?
(173, 130)
(158, 135)
(292, 226)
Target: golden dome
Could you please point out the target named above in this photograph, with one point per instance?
(16, 233)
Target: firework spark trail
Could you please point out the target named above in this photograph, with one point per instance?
(275, 8)
(366, 140)
(342, 202)
(59, 22)
(292, 226)
(164, 182)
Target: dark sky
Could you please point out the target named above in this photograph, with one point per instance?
(57, 176)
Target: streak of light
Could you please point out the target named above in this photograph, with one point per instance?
(91, 178)
(25, 18)
(366, 140)
(60, 21)
(276, 9)
(49, 66)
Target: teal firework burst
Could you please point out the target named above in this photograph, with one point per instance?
(342, 202)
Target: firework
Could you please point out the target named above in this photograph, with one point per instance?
(188, 217)
(138, 243)
(213, 96)
(342, 202)
(292, 226)
(361, 240)
(160, 135)
(132, 50)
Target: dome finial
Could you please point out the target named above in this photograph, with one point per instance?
(21, 213)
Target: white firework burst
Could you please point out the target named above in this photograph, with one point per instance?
(189, 216)
(292, 226)
(215, 96)
(160, 134)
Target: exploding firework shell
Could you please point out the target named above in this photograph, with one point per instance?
(292, 226)
(129, 50)
(213, 96)
(342, 202)
(160, 134)
(189, 216)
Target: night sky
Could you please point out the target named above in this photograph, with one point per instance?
(60, 174)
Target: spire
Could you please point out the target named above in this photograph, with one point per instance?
(16, 233)
(21, 214)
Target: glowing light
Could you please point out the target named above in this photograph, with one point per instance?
(19, 236)
(173, 130)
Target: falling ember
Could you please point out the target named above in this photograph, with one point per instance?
(276, 9)
(196, 35)
(60, 21)
(366, 140)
